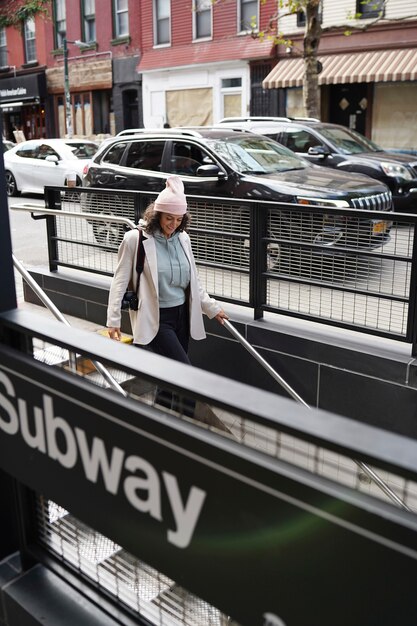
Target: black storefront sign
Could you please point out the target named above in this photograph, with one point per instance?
(21, 88)
(264, 542)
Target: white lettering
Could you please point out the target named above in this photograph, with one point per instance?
(54, 436)
(98, 459)
(149, 485)
(11, 427)
(57, 424)
(185, 516)
(38, 439)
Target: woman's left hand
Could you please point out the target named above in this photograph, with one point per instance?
(221, 316)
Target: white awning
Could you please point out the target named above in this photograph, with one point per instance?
(354, 67)
(6, 105)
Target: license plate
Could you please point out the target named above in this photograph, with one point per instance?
(379, 227)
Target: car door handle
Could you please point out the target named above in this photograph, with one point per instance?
(120, 177)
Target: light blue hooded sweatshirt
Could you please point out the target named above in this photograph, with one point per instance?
(173, 270)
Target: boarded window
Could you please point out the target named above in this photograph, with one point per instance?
(190, 107)
(394, 115)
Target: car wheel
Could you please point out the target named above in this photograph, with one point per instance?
(11, 186)
(108, 233)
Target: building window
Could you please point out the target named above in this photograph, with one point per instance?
(248, 19)
(121, 18)
(162, 14)
(30, 40)
(301, 19)
(3, 47)
(60, 23)
(231, 97)
(202, 18)
(370, 8)
(89, 17)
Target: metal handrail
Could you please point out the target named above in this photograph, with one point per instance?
(57, 313)
(267, 367)
(32, 208)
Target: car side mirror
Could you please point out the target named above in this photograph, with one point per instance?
(52, 158)
(320, 151)
(211, 170)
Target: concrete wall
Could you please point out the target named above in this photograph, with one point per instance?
(367, 378)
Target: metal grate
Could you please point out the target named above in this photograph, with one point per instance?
(131, 581)
(359, 276)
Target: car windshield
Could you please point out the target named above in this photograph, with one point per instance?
(256, 155)
(349, 141)
(83, 150)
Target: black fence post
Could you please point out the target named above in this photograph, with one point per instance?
(412, 305)
(257, 262)
(52, 201)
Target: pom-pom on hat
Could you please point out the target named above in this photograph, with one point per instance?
(172, 199)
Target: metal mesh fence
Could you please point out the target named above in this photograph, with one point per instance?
(354, 271)
(353, 268)
(131, 581)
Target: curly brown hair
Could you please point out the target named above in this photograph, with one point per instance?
(151, 219)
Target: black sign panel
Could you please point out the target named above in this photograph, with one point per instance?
(26, 87)
(263, 542)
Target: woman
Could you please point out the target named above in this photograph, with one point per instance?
(171, 299)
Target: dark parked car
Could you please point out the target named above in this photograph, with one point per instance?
(230, 164)
(343, 149)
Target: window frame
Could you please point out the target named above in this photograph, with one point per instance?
(89, 22)
(197, 13)
(117, 12)
(29, 42)
(4, 53)
(367, 11)
(60, 32)
(157, 21)
(240, 27)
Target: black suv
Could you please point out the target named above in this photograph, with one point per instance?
(339, 147)
(229, 164)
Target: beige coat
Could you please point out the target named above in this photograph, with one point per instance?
(145, 321)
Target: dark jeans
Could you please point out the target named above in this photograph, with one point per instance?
(172, 341)
(173, 334)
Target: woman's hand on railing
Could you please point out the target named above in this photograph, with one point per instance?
(114, 333)
(221, 316)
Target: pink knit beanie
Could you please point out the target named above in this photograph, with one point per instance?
(172, 198)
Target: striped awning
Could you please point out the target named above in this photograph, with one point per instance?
(358, 67)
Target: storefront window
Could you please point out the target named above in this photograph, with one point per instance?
(394, 115)
(81, 114)
(189, 107)
(231, 93)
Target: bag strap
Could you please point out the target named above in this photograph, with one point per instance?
(140, 259)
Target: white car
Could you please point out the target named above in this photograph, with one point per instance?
(31, 165)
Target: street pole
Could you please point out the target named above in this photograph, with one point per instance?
(68, 117)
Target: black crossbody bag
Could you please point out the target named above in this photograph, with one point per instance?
(130, 300)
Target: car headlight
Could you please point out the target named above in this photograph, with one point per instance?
(397, 171)
(342, 204)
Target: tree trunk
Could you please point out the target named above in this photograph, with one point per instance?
(311, 44)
